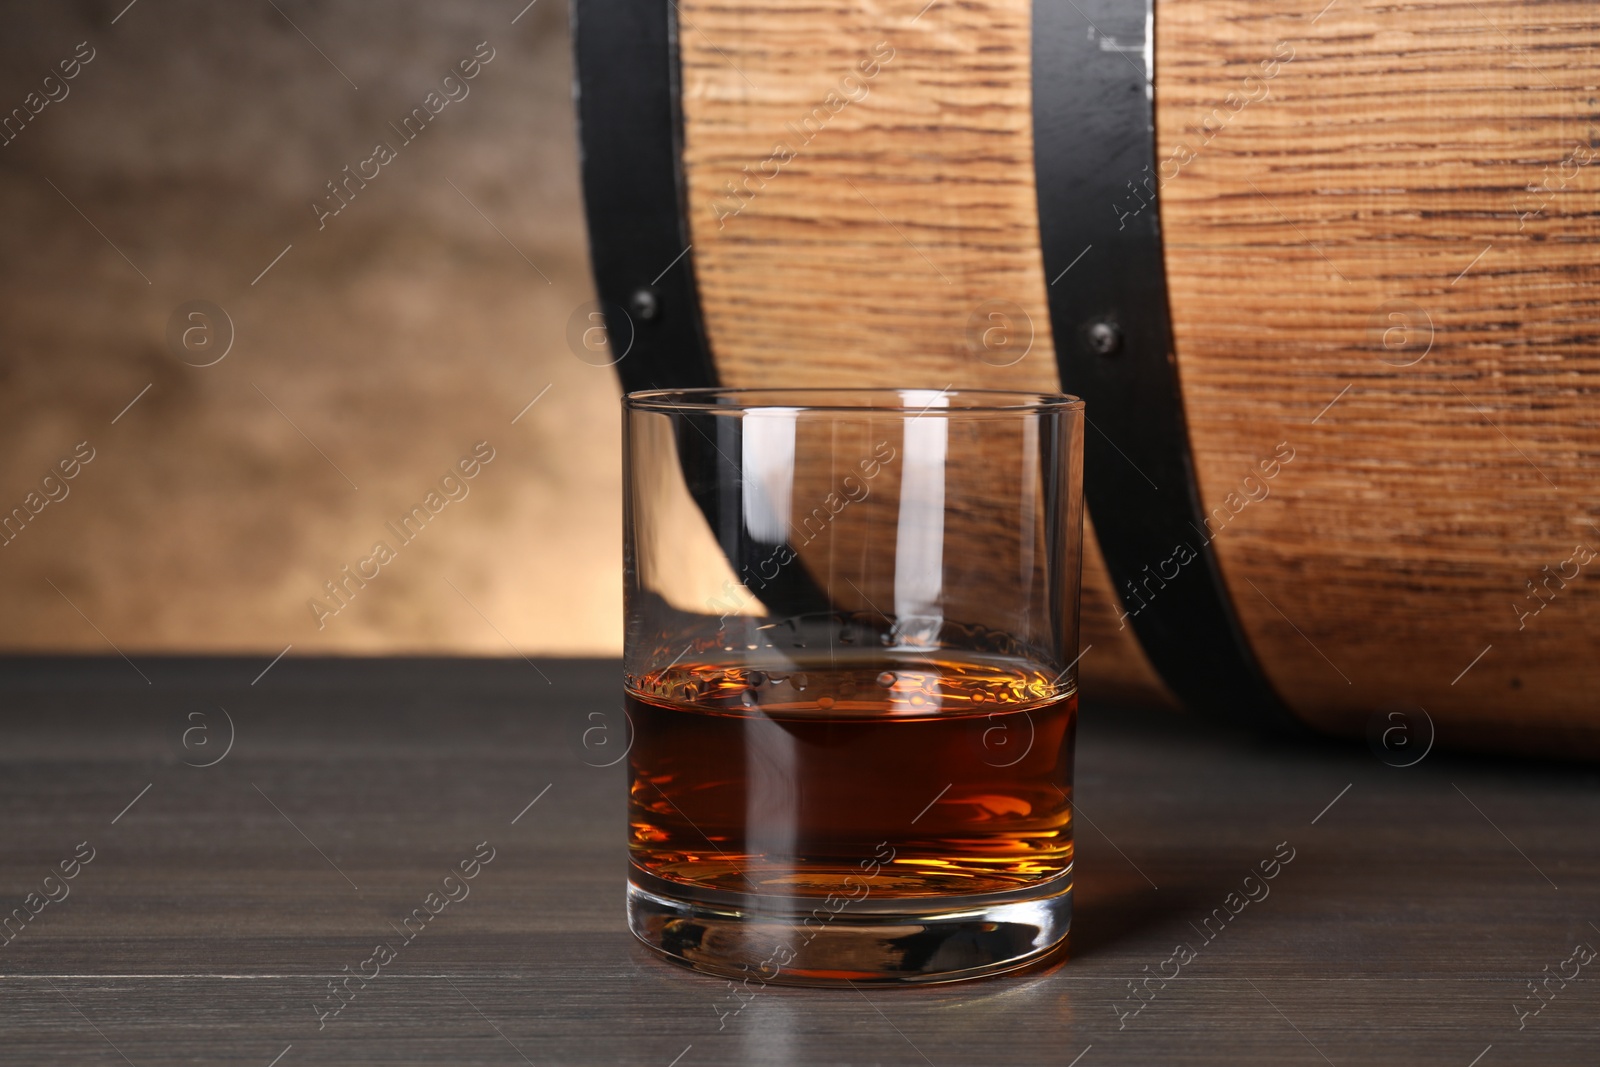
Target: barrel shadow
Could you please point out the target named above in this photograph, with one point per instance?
(1111, 907)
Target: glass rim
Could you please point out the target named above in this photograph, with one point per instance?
(880, 400)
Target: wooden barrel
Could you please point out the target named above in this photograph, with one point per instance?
(1325, 273)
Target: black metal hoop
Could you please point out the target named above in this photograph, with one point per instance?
(630, 133)
(1097, 178)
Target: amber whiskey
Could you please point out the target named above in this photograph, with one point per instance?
(955, 773)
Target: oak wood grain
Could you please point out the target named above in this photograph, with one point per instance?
(1381, 170)
(1379, 227)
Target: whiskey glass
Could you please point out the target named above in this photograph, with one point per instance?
(850, 672)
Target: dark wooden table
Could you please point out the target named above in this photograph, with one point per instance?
(221, 900)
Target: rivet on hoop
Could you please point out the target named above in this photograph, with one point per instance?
(643, 303)
(1104, 337)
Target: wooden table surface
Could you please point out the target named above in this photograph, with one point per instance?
(220, 900)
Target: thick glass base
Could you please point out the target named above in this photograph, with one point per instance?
(819, 941)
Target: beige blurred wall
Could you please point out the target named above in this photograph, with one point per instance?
(393, 339)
